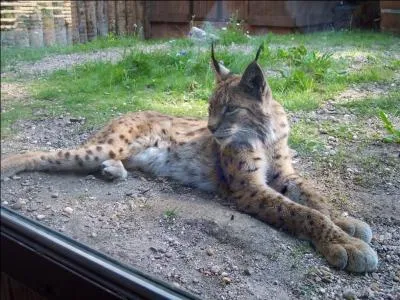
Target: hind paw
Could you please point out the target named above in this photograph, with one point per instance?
(355, 228)
(351, 254)
(113, 169)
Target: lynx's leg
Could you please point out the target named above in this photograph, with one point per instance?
(287, 182)
(244, 170)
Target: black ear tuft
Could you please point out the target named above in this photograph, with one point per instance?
(261, 48)
(221, 72)
(214, 61)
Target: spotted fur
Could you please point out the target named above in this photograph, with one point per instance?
(240, 153)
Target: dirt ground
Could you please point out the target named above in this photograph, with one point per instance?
(195, 240)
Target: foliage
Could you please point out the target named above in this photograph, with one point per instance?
(393, 133)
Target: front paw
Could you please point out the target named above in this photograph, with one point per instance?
(113, 169)
(355, 228)
(351, 254)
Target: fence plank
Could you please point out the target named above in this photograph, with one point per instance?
(101, 15)
(82, 21)
(111, 16)
(131, 18)
(121, 17)
(91, 21)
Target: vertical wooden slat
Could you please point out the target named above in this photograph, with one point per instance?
(82, 21)
(111, 16)
(91, 21)
(36, 29)
(101, 16)
(59, 23)
(121, 17)
(140, 18)
(146, 19)
(48, 24)
(75, 22)
(131, 17)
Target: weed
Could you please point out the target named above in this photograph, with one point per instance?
(393, 133)
(171, 214)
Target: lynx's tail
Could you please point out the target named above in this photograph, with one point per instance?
(87, 159)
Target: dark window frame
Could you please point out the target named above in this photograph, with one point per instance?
(58, 267)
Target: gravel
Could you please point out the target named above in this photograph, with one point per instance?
(208, 249)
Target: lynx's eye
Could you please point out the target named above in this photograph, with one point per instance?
(231, 109)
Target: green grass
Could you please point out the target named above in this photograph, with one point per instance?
(178, 80)
(12, 55)
(371, 106)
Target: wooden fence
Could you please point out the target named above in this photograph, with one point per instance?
(38, 23)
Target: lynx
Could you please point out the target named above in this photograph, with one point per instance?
(241, 153)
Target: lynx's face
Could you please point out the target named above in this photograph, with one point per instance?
(239, 106)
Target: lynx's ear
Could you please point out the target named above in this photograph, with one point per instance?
(221, 73)
(253, 81)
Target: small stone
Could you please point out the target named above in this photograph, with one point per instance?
(93, 234)
(224, 274)
(195, 280)
(40, 217)
(275, 282)
(168, 254)
(54, 195)
(210, 252)
(226, 280)
(396, 279)
(349, 294)
(15, 177)
(248, 271)
(322, 290)
(5, 202)
(215, 269)
(69, 210)
(17, 205)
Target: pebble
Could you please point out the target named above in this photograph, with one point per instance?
(15, 177)
(17, 205)
(168, 254)
(54, 195)
(5, 202)
(210, 252)
(40, 217)
(248, 271)
(215, 269)
(226, 280)
(69, 210)
(349, 294)
(224, 274)
(93, 234)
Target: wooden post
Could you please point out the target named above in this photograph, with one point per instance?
(131, 20)
(91, 20)
(112, 23)
(140, 18)
(121, 17)
(146, 19)
(36, 29)
(67, 13)
(82, 21)
(75, 22)
(59, 24)
(21, 33)
(48, 24)
(101, 15)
